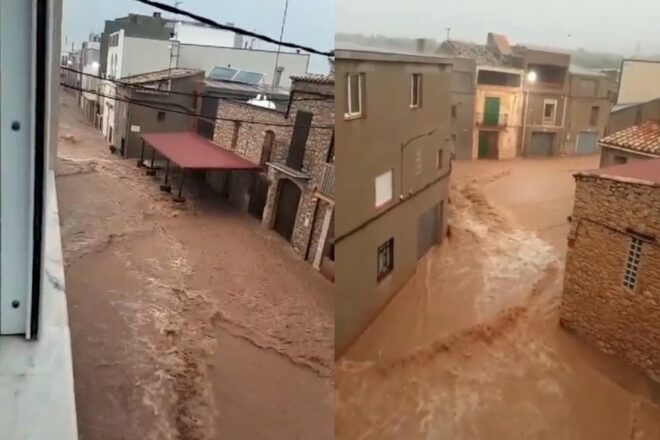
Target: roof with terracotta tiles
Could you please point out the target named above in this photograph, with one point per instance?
(644, 137)
(315, 78)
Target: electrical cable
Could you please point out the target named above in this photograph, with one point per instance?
(325, 96)
(240, 31)
(197, 115)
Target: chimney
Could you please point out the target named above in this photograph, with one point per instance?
(420, 44)
(157, 15)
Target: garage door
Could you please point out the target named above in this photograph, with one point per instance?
(541, 144)
(427, 230)
(587, 143)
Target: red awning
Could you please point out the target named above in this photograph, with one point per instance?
(191, 151)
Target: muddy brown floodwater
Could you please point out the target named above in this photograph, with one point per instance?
(471, 348)
(187, 322)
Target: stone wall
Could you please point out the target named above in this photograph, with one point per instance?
(250, 141)
(595, 303)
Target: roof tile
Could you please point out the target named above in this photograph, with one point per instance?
(644, 138)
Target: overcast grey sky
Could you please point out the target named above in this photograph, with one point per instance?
(603, 25)
(309, 22)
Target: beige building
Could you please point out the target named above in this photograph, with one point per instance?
(639, 142)
(529, 102)
(639, 81)
(393, 133)
(612, 284)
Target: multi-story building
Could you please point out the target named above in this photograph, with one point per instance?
(612, 281)
(639, 81)
(393, 150)
(294, 192)
(168, 101)
(89, 78)
(529, 101)
(588, 110)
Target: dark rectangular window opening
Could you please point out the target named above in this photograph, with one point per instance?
(593, 119)
(161, 116)
(385, 259)
(495, 78)
(454, 111)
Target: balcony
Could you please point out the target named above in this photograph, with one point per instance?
(327, 186)
(494, 120)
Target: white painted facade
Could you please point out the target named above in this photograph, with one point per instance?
(133, 56)
(640, 81)
(190, 33)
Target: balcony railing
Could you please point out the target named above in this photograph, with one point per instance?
(327, 186)
(492, 119)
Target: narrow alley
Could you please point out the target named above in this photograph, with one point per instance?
(471, 347)
(188, 321)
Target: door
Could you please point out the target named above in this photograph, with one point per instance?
(299, 140)
(427, 230)
(487, 145)
(287, 208)
(492, 111)
(258, 197)
(541, 144)
(587, 143)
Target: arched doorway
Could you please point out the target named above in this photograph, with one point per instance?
(287, 208)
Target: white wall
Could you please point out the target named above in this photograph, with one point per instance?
(640, 81)
(133, 56)
(207, 57)
(188, 33)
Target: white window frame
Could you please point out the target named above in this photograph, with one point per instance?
(633, 260)
(416, 99)
(381, 184)
(550, 120)
(350, 111)
(26, 57)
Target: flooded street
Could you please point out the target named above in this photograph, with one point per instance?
(471, 347)
(188, 322)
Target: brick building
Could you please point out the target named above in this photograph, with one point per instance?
(294, 192)
(612, 285)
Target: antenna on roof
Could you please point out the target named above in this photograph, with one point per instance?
(448, 31)
(177, 3)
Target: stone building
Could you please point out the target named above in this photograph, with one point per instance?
(612, 284)
(639, 142)
(294, 192)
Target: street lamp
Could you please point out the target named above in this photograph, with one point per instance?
(531, 79)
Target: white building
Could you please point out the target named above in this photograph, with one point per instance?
(197, 47)
(89, 65)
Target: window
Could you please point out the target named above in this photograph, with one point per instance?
(385, 259)
(593, 119)
(331, 149)
(440, 162)
(549, 111)
(161, 116)
(454, 111)
(632, 264)
(416, 91)
(355, 85)
(620, 160)
(383, 188)
(234, 136)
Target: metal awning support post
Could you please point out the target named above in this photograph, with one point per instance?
(179, 198)
(165, 187)
(140, 162)
(152, 171)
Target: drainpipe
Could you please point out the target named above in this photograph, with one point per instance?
(563, 121)
(522, 142)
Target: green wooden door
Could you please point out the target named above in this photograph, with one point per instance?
(492, 111)
(484, 145)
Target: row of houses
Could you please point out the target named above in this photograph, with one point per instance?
(513, 100)
(195, 103)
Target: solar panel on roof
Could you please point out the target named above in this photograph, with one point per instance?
(249, 77)
(222, 73)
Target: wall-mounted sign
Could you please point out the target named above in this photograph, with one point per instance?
(135, 128)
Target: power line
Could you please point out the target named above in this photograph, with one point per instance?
(325, 96)
(240, 31)
(197, 115)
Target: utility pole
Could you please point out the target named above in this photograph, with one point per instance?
(277, 57)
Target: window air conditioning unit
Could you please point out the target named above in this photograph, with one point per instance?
(26, 60)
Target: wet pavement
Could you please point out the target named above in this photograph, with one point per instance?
(188, 322)
(471, 349)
